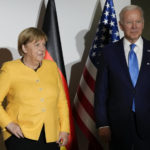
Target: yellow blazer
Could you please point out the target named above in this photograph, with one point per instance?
(34, 99)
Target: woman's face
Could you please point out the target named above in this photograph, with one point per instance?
(35, 50)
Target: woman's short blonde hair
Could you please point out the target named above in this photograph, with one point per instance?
(29, 35)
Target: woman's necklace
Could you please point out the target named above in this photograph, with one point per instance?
(35, 68)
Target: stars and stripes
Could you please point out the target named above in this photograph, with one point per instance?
(84, 100)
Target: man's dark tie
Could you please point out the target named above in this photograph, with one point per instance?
(133, 69)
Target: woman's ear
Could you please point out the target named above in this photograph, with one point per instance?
(24, 49)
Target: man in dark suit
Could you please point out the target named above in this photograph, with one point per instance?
(122, 92)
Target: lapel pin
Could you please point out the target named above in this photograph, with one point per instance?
(148, 63)
(148, 50)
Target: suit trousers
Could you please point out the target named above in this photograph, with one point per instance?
(131, 140)
(14, 143)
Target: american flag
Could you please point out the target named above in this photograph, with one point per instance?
(107, 32)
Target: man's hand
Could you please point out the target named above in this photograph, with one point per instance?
(105, 133)
(15, 130)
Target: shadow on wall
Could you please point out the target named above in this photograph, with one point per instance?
(5, 55)
(40, 18)
(84, 41)
(145, 6)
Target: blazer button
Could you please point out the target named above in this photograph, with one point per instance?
(41, 89)
(37, 81)
(43, 110)
(42, 99)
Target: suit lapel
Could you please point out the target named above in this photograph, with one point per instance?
(145, 60)
(123, 62)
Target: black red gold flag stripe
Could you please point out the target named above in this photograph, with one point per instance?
(54, 53)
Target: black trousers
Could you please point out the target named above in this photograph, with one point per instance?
(131, 140)
(14, 143)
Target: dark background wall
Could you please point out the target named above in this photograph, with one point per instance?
(145, 4)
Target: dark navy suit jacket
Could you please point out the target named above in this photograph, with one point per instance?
(114, 91)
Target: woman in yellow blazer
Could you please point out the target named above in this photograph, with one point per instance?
(36, 116)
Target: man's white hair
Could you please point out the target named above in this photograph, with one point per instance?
(129, 7)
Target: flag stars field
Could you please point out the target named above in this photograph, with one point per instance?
(113, 15)
(106, 13)
(107, 5)
(112, 23)
(105, 21)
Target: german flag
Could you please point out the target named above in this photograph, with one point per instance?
(54, 53)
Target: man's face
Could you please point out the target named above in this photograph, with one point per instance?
(132, 25)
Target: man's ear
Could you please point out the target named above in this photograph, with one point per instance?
(24, 49)
(120, 25)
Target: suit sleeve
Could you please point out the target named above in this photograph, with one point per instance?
(101, 94)
(4, 89)
(63, 107)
